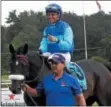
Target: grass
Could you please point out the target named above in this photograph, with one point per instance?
(95, 104)
(4, 77)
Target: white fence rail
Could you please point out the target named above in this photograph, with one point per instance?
(5, 83)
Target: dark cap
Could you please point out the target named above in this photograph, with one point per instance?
(57, 58)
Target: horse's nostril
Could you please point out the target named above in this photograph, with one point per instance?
(12, 90)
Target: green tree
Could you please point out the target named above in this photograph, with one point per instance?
(28, 26)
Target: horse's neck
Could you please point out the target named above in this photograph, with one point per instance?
(34, 65)
(38, 67)
(33, 75)
(38, 74)
(45, 70)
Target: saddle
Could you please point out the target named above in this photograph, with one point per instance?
(75, 70)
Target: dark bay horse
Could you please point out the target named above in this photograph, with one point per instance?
(30, 67)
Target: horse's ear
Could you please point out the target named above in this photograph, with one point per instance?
(11, 49)
(25, 48)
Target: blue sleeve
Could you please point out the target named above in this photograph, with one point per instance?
(67, 42)
(76, 87)
(43, 43)
(40, 87)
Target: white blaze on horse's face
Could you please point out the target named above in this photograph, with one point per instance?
(17, 62)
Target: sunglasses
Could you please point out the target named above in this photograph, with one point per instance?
(52, 63)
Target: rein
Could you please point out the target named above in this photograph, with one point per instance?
(28, 81)
(32, 81)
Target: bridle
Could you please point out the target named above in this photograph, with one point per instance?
(25, 59)
(29, 81)
(40, 70)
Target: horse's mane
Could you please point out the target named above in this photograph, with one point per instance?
(108, 66)
(34, 58)
(38, 63)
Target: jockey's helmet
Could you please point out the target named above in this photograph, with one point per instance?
(54, 8)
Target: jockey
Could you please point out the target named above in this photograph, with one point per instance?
(58, 35)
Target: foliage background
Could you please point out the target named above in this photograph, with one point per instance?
(27, 27)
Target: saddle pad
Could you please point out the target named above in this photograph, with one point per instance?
(76, 70)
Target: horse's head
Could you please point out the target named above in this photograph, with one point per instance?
(26, 67)
(19, 67)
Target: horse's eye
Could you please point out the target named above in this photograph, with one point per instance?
(17, 62)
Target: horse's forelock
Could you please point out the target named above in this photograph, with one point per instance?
(23, 59)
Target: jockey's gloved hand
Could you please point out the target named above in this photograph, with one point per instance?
(52, 38)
